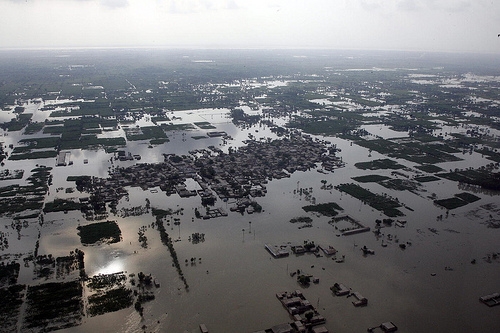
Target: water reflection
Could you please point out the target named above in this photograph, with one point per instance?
(113, 265)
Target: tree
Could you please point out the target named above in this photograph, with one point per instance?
(139, 308)
(303, 279)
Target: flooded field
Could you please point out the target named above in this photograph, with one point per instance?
(425, 270)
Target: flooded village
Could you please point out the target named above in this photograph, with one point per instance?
(238, 174)
(328, 193)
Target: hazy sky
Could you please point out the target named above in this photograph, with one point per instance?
(423, 25)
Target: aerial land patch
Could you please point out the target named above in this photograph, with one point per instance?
(482, 177)
(33, 128)
(53, 306)
(326, 209)
(426, 179)
(61, 205)
(18, 123)
(33, 155)
(458, 200)
(381, 203)
(109, 294)
(370, 178)
(145, 133)
(10, 306)
(97, 108)
(326, 127)
(379, 164)
(490, 154)
(301, 219)
(14, 174)
(413, 151)
(429, 168)
(348, 225)
(100, 232)
(9, 273)
(25, 201)
(401, 184)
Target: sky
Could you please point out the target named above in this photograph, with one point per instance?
(409, 25)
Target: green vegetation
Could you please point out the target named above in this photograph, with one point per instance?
(401, 184)
(109, 294)
(379, 164)
(145, 133)
(53, 306)
(468, 197)
(106, 281)
(33, 128)
(37, 143)
(73, 262)
(490, 154)
(17, 123)
(364, 101)
(304, 280)
(26, 201)
(239, 116)
(429, 168)
(458, 200)
(77, 178)
(410, 150)
(167, 241)
(81, 133)
(161, 213)
(159, 117)
(451, 203)
(370, 178)
(109, 301)
(10, 306)
(426, 179)
(6, 174)
(35, 148)
(9, 273)
(301, 219)
(61, 205)
(33, 155)
(98, 108)
(383, 203)
(481, 177)
(326, 209)
(106, 232)
(323, 125)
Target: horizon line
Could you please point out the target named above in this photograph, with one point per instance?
(166, 47)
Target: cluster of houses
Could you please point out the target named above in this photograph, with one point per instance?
(238, 174)
(305, 317)
(340, 290)
(308, 247)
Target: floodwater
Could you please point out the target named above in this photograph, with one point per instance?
(431, 286)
